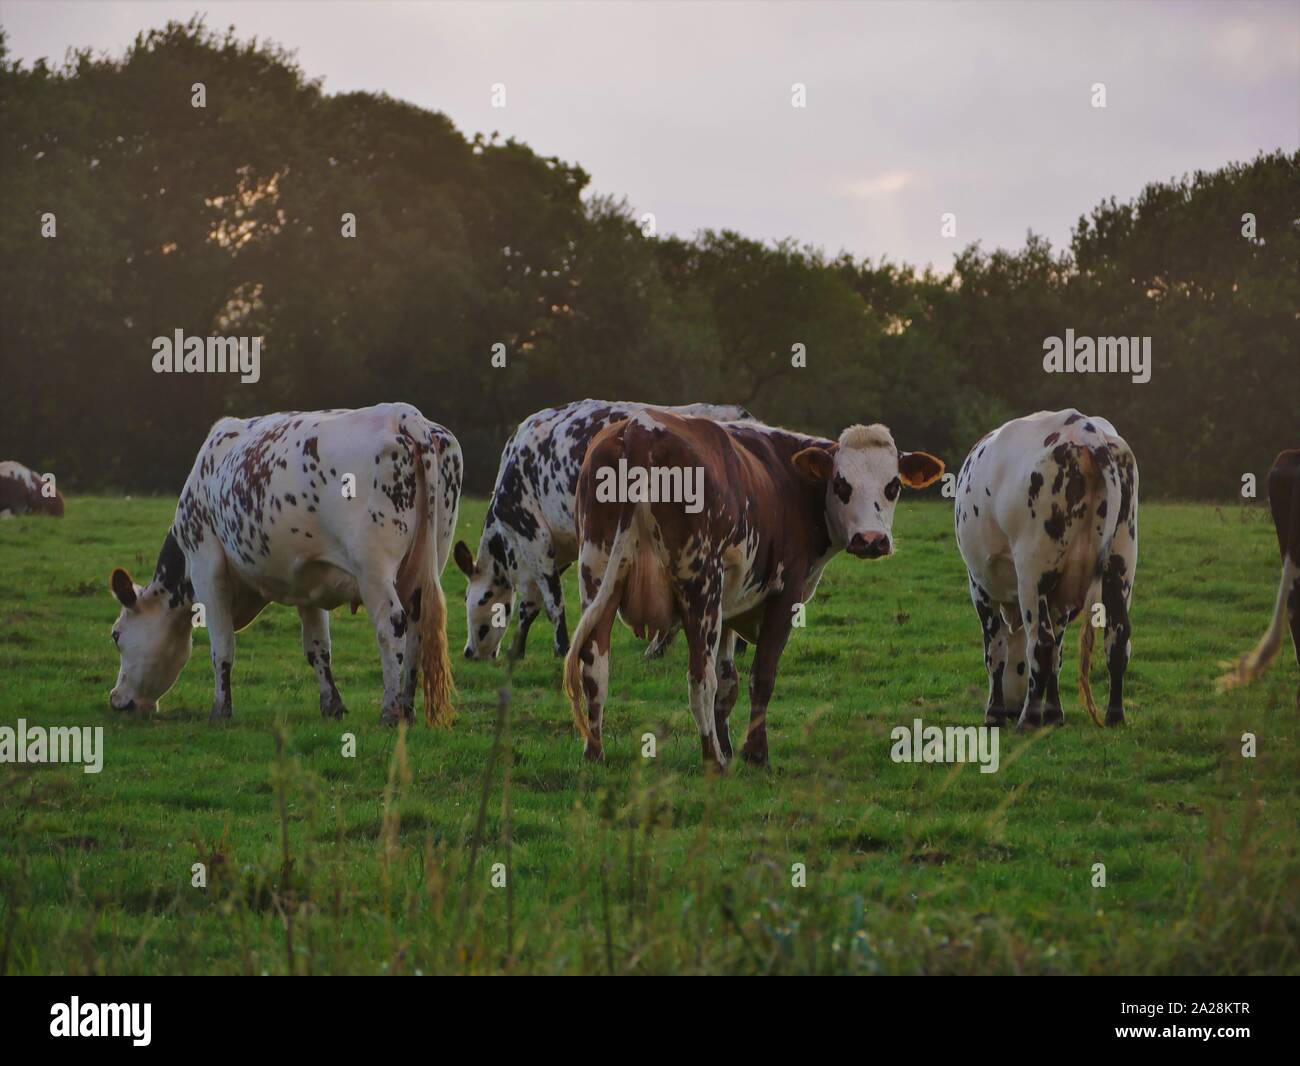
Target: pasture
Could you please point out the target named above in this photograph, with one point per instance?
(318, 863)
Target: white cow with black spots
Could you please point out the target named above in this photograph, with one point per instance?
(1046, 516)
(315, 510)
(530, 537)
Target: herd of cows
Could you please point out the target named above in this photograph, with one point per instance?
(321, 509)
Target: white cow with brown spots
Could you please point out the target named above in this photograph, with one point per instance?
(1046, 515)
(314, 510)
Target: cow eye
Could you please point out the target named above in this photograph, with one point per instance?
(116, 634)
(893, 489)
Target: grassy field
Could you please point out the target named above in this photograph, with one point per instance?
(384, 862)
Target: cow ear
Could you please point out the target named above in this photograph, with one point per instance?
(916, 470)
(123, 588)
(463, 558)
(815, 464)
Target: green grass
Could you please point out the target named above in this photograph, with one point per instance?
(653, 865)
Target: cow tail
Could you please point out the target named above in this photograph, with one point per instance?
(1258, 659)
(435, 661)
(1094, 460)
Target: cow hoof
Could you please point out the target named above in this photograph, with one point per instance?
(997, 716)
(1053, 716)
(1029, 721)
(754, 758)
(332, 709)
(1114, 718)
(221, 714)
(593, 753)
(391, 718)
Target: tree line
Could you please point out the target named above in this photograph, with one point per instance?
(130, 213)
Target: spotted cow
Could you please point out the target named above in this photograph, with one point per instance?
(315, 510)
(24, 491)
(777, 507)
(529, 538)
(1284, 502)
(1046, 516)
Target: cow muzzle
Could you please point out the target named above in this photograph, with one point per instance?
(869, 545)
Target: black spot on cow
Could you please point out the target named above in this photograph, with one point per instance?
(1035, 486)
(842, 488)
(1055, 526)
(1051, 439)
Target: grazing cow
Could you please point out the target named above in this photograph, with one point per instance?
(777, 506)
(314, 509)
(1284, 501)
(529, 538)
(1046, 515)
(22, 491)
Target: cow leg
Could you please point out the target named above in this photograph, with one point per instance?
(772, 636)
(1040, 652)
(409, 658)
(1118, 631)
(728, 687)
(660, 644)
(1053, 713)
(221, 638)
(703, 627)
(316, 646)
(996, 652)
(529, 601)
(593, 564)
(553, 601)
(390, 620)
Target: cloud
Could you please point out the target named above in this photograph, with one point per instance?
(873, 188)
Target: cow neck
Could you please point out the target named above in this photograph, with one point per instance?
(170, 572)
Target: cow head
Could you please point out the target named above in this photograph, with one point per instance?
(487, 594)
(864, 474)
(154, 636)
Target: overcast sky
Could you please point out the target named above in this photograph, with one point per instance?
(913, 109)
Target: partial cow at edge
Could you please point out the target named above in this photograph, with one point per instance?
(314, 510)
(777, 507)
(1284, 502)
(529, 536)
(1046, 517)
(23, 491)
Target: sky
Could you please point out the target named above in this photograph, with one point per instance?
(913, 110)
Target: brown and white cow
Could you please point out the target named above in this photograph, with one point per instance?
(314, 509)
(1284, 502)
(776, 507)
(24, 491)
(1046, 517)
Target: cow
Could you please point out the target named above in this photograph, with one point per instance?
(777, 507)
(1046, 517)
(315, 510)
(1284, 502)
(528, 537)
(24, 491)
